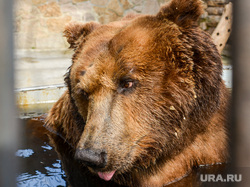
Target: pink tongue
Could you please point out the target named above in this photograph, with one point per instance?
(106, 175)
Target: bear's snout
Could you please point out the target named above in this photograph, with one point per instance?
(95, 159)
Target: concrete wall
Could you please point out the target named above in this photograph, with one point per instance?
(39, 23)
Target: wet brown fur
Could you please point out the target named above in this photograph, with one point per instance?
(174, 116)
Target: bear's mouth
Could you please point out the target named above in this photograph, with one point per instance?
(107, 176)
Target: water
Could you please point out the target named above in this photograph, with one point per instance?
(40, 166)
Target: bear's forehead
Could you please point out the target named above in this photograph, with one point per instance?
(112, 39)
(109, 41)
(132, 36)
(111, 52)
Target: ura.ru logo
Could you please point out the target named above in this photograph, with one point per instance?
(220, 178)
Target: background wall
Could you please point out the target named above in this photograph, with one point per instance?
(39, 23)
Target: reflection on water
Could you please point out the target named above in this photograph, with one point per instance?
(53, 177)
(24, 153)
(40, 165)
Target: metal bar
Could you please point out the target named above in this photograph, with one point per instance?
(241, 90)
(8, 124)
(54, 86)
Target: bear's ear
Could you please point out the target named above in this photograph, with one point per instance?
(76, 31)
(182, 12)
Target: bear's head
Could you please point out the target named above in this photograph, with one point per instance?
(139, 90)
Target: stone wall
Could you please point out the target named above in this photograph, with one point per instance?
(213, 11)
(39, 23)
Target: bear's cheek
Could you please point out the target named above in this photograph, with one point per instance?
(128, 134)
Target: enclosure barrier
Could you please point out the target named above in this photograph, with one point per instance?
(8, 123)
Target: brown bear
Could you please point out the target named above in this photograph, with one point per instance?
(145, 101)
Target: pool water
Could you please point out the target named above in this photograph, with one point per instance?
(40, 166)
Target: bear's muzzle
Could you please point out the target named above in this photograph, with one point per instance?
(96, 159)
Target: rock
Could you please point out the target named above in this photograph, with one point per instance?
(89, 17)
(68, 8)
(50, 10)
(37, 2)
(65, 1)
(85, 6)
(78, 1)
(136, 2)
(99, 3)
(114, 6)
(150, 7)
(57, 25)
(23, 10)
(203, 25)
(215, 10)
(105, 15)
(213, 20)
(126, 4)
(216, 3)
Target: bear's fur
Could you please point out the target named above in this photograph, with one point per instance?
(145, 101)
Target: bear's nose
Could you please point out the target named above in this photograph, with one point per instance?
(92, 158)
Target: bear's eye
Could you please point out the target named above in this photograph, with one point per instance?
(126, 85)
